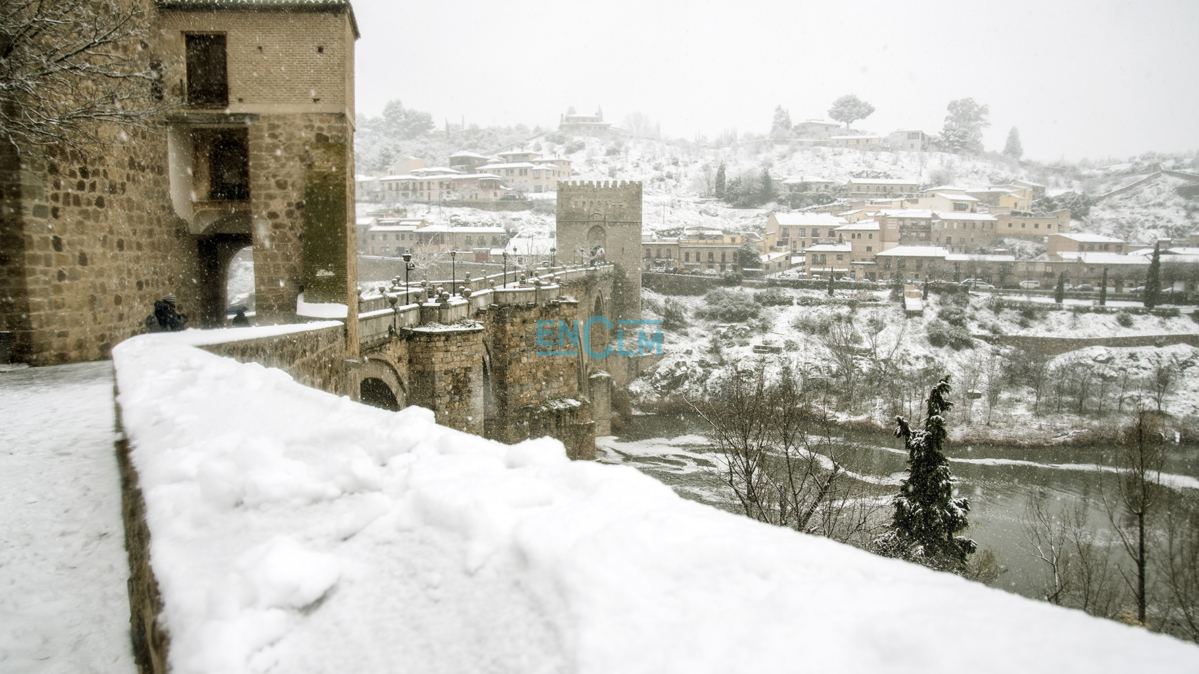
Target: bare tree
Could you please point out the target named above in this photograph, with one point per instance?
(1181, 576)
(1049, 537)
(780, 460)
(1078, 566)
(842, 340)
(69, 67)
(1162, 380)
(1137, 492)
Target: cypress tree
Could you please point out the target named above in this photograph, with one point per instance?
(1059, 293)
(1103, 289)
(720, 181)
(1153, 280)
(927, 517)
(830, 282)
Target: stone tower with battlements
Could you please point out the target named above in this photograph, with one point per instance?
(604, 214)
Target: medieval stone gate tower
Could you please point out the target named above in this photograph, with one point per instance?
(604, 214)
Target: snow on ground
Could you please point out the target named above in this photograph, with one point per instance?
(63, 607)
(296, 531)
(691, 360)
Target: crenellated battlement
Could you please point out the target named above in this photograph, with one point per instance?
(610, 200)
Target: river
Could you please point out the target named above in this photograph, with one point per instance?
(999, 480)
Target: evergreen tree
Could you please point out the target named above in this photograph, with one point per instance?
(1013, 148)
(781, 126)
(927, 517)
(1059, 293)
(849, 109)
(1103, 289)
(767, 187)
(1153, 279)
(721, 178)
(963, 130)
(830, 282)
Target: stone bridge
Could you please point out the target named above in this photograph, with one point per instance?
(474, 358)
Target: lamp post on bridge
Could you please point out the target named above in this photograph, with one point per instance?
(408, 266)
(553, 250)
(453, 273)
(505, 269)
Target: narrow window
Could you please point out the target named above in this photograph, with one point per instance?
(207, 79)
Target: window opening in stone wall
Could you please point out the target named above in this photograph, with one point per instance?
(230, 166)
(207, 76)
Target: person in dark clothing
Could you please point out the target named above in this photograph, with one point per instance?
(165, 318)
(240, 320)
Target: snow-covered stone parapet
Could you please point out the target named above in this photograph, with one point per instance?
(295, 531)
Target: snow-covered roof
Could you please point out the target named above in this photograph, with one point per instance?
(820, 122)
(434, 169)
(882, 181)
(853, 137)
(946, 188)
(770, 257)
(914, 251)
(393, 228)
(860, 226)
(954, 215)
(805, 219)
(435, 229)
(1083, 237)
(956, 197)
(797, 180)
(472, 155)
(519, 164)
(1103, 258)
(830, 248)
(963, 257)
(916, 213)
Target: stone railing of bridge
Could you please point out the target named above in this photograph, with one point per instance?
(409, 307)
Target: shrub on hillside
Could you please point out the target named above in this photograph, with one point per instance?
(1124, 319)
(773, 297)
(941, 333)
(729, 306)
(953, 315)
(674, 315)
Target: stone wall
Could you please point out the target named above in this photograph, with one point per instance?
(1052, 346)
(314, 358)
(606, 213)
(89, 243)
(679, 284)
(150, 642)
(445, 367)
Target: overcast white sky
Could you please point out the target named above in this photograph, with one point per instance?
(1079, 79)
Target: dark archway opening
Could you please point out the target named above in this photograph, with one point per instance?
(376, 393)
(215, 253)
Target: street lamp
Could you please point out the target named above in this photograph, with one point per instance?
(552, 251)
(453, 273)
(505, 269)
(408, 266)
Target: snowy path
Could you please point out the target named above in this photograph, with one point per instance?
(63, 606)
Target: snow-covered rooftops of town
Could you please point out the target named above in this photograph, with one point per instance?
(914, 251)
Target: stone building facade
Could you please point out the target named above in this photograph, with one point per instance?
(255, 148)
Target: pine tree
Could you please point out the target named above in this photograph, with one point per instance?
(1103, 289)
(767, 193)
(780, 127)
(963, 130)
(1153, 280)
(830, 283)
(1059, 293)
(1013, 148)
(720, 181)
(849, 109)
(927, 517)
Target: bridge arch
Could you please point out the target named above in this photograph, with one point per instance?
(381, 373)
